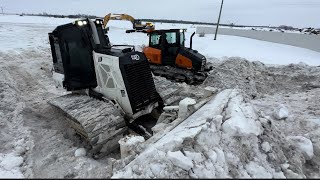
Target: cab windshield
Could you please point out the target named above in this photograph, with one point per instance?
(171, 38)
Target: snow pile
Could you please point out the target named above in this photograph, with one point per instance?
(300, 130)
(218, 146)
(256, 79)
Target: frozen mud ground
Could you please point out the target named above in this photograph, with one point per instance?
(35, 131)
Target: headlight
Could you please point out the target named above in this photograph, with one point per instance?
(181, 30)
(80, 23)
(84, 22)
(98, 21)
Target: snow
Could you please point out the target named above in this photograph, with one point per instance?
(197, 157)
(80, 152)
(254, 50)
(234, 135)
(128, 144)
(256, 171)
(9, 166)
(225, 46)
(266, 147)
(238, 122)
(179, 160)
(281, 112)
(303, 144)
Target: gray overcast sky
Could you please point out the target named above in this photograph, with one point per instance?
(136, 8)
(258, 12)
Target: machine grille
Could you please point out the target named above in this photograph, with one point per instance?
(140, 85)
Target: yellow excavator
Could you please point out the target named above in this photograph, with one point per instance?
(136, 23)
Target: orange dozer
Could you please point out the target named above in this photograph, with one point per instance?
(168, 57)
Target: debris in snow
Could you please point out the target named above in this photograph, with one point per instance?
(266, 147)
(179, 160)
(80, 152)
(128, 144)
(281, 112)
(303, 144)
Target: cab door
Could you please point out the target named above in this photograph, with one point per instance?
(72, 47)
(154, 51)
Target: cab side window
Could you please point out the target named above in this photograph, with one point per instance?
(171, 37)
(155, 40)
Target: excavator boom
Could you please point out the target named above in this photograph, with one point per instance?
(136, 23)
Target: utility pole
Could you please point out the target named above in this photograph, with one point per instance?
(215, 36)
(2, 10)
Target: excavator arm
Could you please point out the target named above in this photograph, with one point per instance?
(136, 24)
(117, 17)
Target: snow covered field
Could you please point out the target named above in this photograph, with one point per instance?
(263, 122)
(14, 36)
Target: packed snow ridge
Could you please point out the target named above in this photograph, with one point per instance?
(226, 138)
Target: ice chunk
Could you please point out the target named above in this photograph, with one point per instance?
(179, 160)
(281, 112)
(257, 171)
(292, 175)
(240, 119)
(196, 157)
(279, 175)
(285, 166)
(128, 144)
(80, 152)
(239, 126)
(303, 144)
(213, 156)
(266, 147)
(184, 107)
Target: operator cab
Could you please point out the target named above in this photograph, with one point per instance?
(167, 47)
(169, 42)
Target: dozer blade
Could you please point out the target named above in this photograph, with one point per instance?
(99, 122)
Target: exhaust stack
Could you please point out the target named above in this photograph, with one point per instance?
(191, 37)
